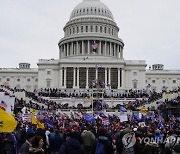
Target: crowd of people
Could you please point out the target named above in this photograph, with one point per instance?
(92, 134)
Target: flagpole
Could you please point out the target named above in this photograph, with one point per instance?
(92, 104)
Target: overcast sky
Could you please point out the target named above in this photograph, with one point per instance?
(30, 30)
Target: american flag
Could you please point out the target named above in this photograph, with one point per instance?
(94, 46)
(26, 117)
(98, 66)
(105, 121)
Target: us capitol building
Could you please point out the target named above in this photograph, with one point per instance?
(89, 52)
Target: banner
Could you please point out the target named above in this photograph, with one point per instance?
(7, 122)
(8, 101)
(123, 117)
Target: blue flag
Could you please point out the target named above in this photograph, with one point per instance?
(137, 117)
(88, 118)
(122, 109)
(102, 115)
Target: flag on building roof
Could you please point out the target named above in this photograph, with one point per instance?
(98, 66)
(94, 46)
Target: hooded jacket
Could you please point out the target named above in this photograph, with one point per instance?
(107, 145)
(71, 146)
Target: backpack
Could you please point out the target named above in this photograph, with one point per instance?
(100, 148)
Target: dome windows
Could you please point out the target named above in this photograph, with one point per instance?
(86, 28)
(104, 29)
(96, 28)
(91, 28)
(100, 29)
(81, 29)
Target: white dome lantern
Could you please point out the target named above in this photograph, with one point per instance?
(93, 8)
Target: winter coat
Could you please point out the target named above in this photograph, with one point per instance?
(88, 138)
(71, 146)
(107, 145)
(55, 143)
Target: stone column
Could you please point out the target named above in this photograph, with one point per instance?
(105, 76)
(121, 52)
(87, 78)
(88, 47)
(67, 49)
(118, 54)
(74, 77)
(114, 49)
(105, 48)
(109, 82)
(123, 78)
(119, 78)
(99, 50)
(82, 47)
(60, 51)
(77, 48)
(64, 77)
(60, 77)
(96, 73)
(72, 49)
(78, 77)
(110, 48)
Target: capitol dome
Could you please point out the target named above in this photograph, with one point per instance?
(91, 27)
(91, 8)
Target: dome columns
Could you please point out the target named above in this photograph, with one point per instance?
(84, 47)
